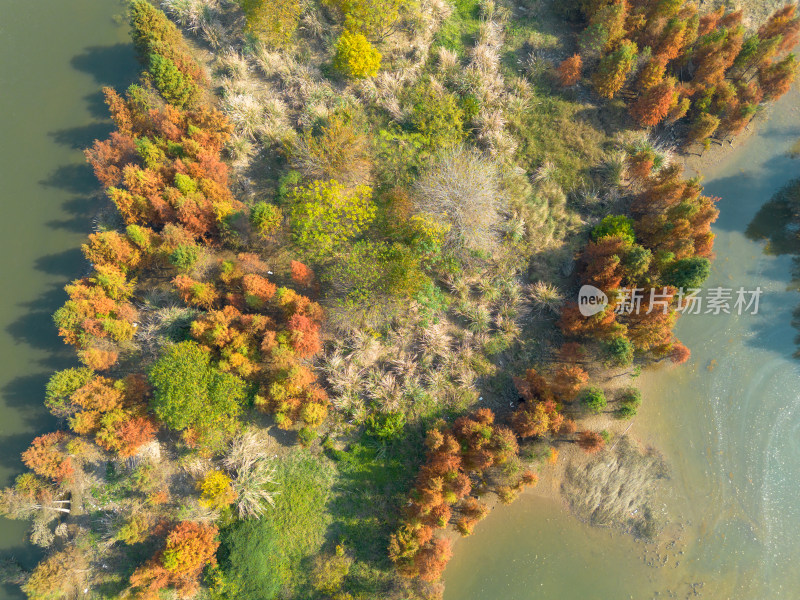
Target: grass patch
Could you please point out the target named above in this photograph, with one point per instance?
(260, 557)
(372, 484)
(460, 30)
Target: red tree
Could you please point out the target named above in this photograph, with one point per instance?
(569, 71)
(590, 442)
(653, 105)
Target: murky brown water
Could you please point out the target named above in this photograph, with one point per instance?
(728, 422)
(54, 57)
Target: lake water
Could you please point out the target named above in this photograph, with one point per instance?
(54, 57)
(728, 421)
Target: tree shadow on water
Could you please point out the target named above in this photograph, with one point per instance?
(778, 224)
(114, 66)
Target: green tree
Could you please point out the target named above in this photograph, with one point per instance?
(687, 272)
(593, 399)
(614, 69)
(266, 218)
(619, 351)
(178, 89)
(151, 29)
(615, 226)
(189, 392)
(355, 56)
(184, 256)
(629, 403)
(325, 215)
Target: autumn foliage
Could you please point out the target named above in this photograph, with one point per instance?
(569, 71)
(456, 456)
(699, 66)
(189, 548)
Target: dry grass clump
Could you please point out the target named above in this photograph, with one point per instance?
(618, 489)
(191, 14)
(463, 189)
(545, 297)
(251, 464)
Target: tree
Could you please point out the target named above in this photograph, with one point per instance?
(531, 421)
(775, 80)
(569, 71)
(462, 188)
(60, 576)
(188, 392)
(568, 380)
(46, 457)
(355, 57)
(216, 490)
(190, 547)
(301, 274)
(619, 351)
(654, 104)
(590, 442)
(702, 128)
(614, 69)
(593, 399)
(325, 215)
(687, 273)
(177, 88)
(273, 21)
(266, 218)
(679, 353)
(629, 402)
(62, 385)
(305, 336)
(617, 226)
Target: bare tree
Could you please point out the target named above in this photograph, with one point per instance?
(462, 189)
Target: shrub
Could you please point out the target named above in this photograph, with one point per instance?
(373, 18)
(385, 426)
(369, 270)
(273, 21)
(355, 57)
(325, 215)
(338, 150)
(438, 118)
(306, 436)
(251, 560)
(329, 571)
(593, 399)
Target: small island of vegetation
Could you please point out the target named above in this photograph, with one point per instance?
(330, 314)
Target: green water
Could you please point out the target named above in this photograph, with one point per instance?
(728, 422)
(54, 57)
